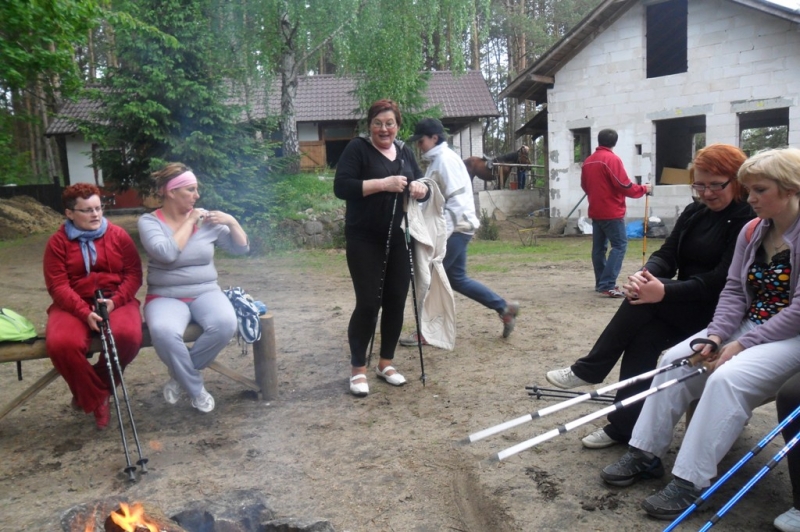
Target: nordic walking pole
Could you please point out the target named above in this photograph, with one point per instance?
(142, 462)
(751, 453)
(383, 274)
(410, 247)
(535, 388)
(511, 451)
(564, 394)
(764, 470)
(102, 311)
(472, 438)
(644, 234)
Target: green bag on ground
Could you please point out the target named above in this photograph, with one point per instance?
(14, 327)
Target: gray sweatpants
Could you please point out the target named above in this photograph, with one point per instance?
(167, 319)
(728, 398)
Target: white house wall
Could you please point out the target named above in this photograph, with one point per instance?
(738, 60)
(79, 161)
(469, 143)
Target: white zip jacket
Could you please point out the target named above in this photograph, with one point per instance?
(438, 310)
(449, 172)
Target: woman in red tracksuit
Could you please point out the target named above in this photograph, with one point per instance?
(88, 253)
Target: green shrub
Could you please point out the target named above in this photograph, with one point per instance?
(488, 229)
(287, 197)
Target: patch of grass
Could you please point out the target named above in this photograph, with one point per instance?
(547, 249)
(310, 261)
(504, 256)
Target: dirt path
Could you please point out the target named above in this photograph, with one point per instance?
(385, 463)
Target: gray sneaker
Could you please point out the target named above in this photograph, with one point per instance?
(411, 340)
(564, 378)
(509, 317)
(631, 467)
(671, 502)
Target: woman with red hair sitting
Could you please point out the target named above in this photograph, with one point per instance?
(86, 254)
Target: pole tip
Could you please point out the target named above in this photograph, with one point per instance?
(491, 460)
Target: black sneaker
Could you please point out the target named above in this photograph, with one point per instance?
(673, 500)
(633, 465)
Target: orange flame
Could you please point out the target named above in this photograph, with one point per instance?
(129, 518)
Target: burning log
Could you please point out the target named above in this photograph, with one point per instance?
(137, 518)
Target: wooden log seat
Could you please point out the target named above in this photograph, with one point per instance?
(264, 362)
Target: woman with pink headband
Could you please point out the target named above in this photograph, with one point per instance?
(182, 281)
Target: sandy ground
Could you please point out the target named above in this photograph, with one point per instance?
(388, 462)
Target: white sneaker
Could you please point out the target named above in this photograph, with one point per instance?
(203, 402)
(788, 521)
(564, 378)
(172, 391)
(598, 440)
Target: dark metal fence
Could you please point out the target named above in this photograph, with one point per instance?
(49, 195)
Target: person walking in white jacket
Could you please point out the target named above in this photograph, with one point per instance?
(448, 170)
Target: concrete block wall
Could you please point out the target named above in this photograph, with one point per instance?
(739, 60)
(510, 202)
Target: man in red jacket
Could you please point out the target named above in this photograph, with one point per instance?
(606, 184)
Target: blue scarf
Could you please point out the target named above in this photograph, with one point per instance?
(86, 239)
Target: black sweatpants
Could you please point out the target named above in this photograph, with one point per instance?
(787, 401)
(365, 259)
(638, 334)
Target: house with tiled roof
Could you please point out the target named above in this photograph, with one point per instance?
(327, 117)
(325, 110)
(670, 76)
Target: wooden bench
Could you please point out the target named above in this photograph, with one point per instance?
(264, 362)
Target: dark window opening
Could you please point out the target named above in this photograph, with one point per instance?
(582, 144)
(677, 140)
(333, 150)
(762, 130)
(667, 38)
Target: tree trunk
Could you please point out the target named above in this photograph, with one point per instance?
(291, 146)
(476, 44)
(90, 53)
(31, 134)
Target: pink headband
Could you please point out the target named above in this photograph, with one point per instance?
(184, 180)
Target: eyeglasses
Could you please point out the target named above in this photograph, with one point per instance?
(713, 187)
(89, 211)
(377, 124)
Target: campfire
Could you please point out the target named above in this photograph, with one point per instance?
(133, 518)
(245, 510)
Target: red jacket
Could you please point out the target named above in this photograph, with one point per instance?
(606, 184)
(118, 270)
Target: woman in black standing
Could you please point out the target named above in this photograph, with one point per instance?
(372, 174)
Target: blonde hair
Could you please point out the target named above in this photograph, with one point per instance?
(781, 165)
(166, 174)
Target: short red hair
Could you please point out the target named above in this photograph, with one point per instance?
(71, 194)
(384, 105)
(724, 160)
